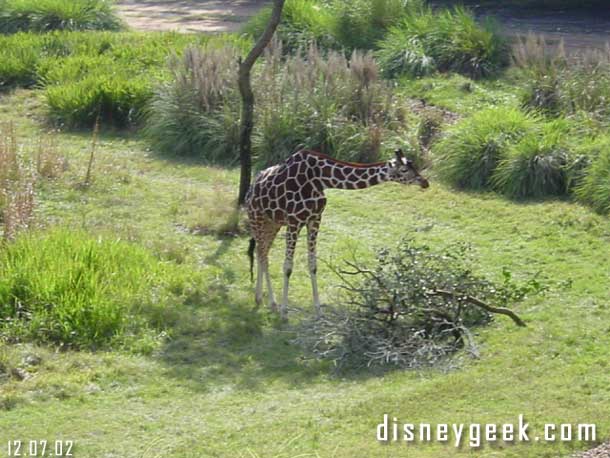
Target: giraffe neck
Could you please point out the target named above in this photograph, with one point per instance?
(340, 175)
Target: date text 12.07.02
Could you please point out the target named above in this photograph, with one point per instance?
(39, 448)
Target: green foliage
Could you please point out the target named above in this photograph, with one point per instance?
(594, 189)
(447, 40)
(361, 24)
(412, 309)
(334, 24)
(468, 155)
(555, 85)
(328, 103)
(196, 113)
(585, 85)
(117, 99)
(67, 288)
(47, 15)
(303, 22)
(536, 166)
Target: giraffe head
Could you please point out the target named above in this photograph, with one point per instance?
(402, 170)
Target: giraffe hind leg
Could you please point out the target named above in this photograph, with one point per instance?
(312, 234)
(265, 234)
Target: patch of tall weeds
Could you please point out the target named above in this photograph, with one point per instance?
(20, 171)
(48, 15)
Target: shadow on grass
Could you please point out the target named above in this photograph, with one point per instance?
(238, 346)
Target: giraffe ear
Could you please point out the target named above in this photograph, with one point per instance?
(399, 156)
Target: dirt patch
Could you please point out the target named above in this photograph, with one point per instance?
(188, 16)
(602, 451)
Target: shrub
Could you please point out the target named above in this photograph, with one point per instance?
(196, 113)
(71, 289)
(471, 150)
(594, 189)
(448, 40)
(537, 166)
(413, 308)
(47, 15)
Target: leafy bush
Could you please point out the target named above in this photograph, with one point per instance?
(537, 166)
(594, 189)
(448, 40)
(71, 289)
(47, 15)
(468, 155)
(414, 308)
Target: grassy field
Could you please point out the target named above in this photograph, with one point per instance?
(128, 323)
(228, 383)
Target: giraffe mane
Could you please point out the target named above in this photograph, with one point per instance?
(337, 161)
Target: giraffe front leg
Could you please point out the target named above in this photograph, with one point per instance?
(292, 233)
(272, 303)
(312, 235)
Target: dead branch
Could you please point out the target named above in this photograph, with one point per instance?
(479, 303)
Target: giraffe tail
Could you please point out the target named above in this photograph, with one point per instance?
(251, 256)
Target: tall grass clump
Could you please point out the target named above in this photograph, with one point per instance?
(542, 64)
(197, 111)
(70, 289)
(360, 24)
(537, 166)
(330, 103)
(47, 15)
(303, 22)
(585, 85)
(555, 84)
(314, 100)
(426, 40)
(469, 153)
(594, 189)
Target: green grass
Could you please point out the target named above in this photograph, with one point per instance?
(448, 40)
(229, 383)
(469, 154)
(84, 74)
(69, 289)
(48, 15)
(594, 188)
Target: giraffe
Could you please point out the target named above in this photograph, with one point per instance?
(291, 194)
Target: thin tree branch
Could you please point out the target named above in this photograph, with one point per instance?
(479, 303)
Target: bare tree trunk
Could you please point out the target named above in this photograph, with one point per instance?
(247, 97)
